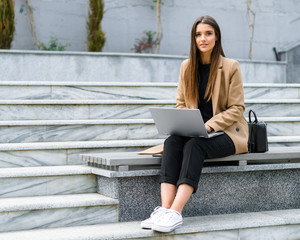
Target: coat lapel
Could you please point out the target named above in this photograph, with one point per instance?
(215, 96)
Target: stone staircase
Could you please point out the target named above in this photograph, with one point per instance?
(65, 119)
(47, 197)
(45, 126)
(278, 225)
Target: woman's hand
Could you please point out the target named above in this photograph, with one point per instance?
(208, 129)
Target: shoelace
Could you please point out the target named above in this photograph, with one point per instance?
(169, 214)
(157, 209)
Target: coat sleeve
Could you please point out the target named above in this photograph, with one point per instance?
(235, 105)
(180, 99)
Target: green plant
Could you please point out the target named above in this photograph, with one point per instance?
(96, 38)
(22, 8)
(53, 45)
(7, 23)
(161, 2)
(145, 43)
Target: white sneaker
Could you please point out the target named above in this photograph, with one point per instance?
(156, 214)
(168, 222)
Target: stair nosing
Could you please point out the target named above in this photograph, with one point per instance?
(133, 84)
(107, 144)
(88, 84)
(45, 171)
(13, 204)
(79, 144)
(145, 121)
(85, 102)
(132, 230)
(76, 122)
(131, 102)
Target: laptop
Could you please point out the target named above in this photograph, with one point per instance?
(181, 122)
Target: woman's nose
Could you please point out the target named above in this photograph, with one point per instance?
(202, 37)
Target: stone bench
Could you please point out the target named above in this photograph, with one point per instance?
(268, 182)
(125, 161)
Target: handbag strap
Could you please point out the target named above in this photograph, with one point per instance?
(255, 121)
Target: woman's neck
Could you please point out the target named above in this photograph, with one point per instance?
(205, 58)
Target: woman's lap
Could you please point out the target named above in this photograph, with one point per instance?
(183, 157)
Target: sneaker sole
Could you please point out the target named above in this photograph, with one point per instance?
(146, 225)
(165, 229)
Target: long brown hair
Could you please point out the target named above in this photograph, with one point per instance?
(191, 74)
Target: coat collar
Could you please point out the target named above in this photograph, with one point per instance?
(215, 96)
(220, 62)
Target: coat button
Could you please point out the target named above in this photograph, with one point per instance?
(237, 129)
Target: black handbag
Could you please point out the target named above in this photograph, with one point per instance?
(258, 139)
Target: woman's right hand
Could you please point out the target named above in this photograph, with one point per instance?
(208, 129)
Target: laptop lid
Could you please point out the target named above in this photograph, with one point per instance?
(182, 122)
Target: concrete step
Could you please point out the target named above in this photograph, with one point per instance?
(38, 66)
(122, 109)
(78, 109)
(271, 91)
(274, 107)
(42, 181)
(67, 153)
(110, 129)
(23, 213)
(77, 130)
(277, 225)
(281, 126)
(126, 90)
(87, 90)
(63, 153)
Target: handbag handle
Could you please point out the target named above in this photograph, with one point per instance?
(255, 121)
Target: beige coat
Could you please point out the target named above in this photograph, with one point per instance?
(227, 101)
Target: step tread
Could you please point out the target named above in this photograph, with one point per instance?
(133, 84)
(132, 230)
(54, 202)
(88, 84)
(274, 139)
(129, 102)
(86, 102)
(79, 144)
(76, 122)
(108, 144)
(271, 101)
(271, 85)
(114, 121)
(18, 172)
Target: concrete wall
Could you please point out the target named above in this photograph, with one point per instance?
(292, 57)
(115, 67)
(221, 190)
(124, 21)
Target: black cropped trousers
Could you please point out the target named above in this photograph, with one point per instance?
(183, 157)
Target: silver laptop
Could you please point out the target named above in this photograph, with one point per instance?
(182, 122)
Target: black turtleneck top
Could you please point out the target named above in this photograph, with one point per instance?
(204, 106)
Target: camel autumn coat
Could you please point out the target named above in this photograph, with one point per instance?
(227, 102)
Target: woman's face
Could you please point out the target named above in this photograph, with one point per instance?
(205, 38)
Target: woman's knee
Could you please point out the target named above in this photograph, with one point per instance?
(193, 144)
(174, 140)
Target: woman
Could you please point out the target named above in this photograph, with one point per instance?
(212, 83)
